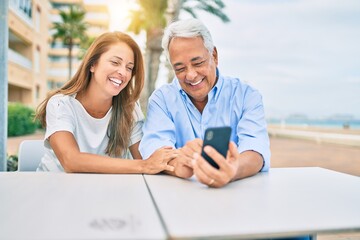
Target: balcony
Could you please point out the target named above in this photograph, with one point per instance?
(20, 26)
(23, 10)
(20, 70)
(18, 59)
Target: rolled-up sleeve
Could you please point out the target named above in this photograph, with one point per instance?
(252, 129)
(159, 128)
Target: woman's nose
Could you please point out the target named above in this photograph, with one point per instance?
(121, 70)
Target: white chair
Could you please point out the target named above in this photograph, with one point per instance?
(30, 154)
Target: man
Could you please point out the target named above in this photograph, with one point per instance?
(200, 97)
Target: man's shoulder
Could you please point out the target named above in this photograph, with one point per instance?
(234, 81)
(168, 87)
(165, 91)
(238, 84)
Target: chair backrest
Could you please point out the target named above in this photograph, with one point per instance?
(30, 154)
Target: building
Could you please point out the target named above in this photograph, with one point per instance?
(37, 64)
(28, 48)
(97, 18)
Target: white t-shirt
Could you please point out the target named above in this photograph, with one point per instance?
(65, 113)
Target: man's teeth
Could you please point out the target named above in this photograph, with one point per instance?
(116, 81)
(193, 84)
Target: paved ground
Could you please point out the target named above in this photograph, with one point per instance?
(288, 153)
(302, 153)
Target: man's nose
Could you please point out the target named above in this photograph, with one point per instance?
(191, 73)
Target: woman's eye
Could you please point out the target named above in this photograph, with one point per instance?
(115, 62)
(129, 69)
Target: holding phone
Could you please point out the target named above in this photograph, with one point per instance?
(218, 138)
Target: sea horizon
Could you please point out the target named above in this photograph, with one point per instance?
(321, 123)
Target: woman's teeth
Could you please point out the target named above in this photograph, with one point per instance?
(194, 84)
(115, 81)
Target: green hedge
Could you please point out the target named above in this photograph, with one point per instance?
(20, 120)
(12, 163)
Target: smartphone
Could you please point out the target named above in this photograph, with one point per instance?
(218, 138)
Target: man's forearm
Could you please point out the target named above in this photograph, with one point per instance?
(250, 163)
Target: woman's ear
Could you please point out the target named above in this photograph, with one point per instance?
(92, 68)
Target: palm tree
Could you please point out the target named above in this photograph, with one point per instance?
(214, 7)
(71, 29)
(153, 16)
(84, 45)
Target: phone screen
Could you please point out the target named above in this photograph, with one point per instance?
(218, 138)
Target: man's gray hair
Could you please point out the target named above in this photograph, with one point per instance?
(188, 28)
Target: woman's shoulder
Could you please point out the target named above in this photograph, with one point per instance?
(61, 99)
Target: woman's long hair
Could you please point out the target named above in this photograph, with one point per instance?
(122, 118)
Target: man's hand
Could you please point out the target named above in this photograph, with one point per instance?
(235, 166)
(183, 162)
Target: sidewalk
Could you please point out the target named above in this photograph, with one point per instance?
(289, 152)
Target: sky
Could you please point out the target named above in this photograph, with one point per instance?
(302, 55)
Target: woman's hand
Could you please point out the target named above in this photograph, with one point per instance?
(183, 161)
(181, 165)
(158, 161)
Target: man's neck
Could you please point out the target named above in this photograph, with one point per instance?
(199, 104)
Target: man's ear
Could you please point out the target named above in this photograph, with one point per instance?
(215, 56)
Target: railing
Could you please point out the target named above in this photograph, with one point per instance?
(319, 137)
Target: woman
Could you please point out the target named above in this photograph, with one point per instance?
(94, 118)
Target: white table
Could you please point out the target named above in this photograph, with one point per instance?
(76, 206)
(283, 202)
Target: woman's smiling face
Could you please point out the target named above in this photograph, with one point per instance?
(114, 69)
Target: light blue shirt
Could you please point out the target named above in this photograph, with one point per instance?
(172, 119)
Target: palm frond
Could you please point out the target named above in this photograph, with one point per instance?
(214, 7)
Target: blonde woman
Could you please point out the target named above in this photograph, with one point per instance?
(94, 119)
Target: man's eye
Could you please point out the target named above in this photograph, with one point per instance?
(179, 69)
(199, 63)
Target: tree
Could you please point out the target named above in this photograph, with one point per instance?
(150, 17)
(214, 7)
(71, 29)
(84, 46)
(153, 16)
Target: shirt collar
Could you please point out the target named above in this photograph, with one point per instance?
(215, 91)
